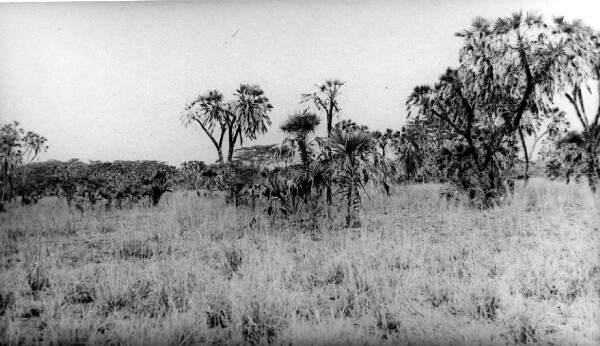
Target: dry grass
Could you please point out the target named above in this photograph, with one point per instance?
(420, 271)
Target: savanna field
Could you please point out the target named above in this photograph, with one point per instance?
(194, 270)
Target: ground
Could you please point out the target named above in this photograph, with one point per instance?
(420, 271)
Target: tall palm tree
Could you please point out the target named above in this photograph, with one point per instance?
(325, 99)
(300, 125)
(208, 111)
(249, 116)
(355, 162)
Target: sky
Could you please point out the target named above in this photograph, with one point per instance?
(109, 80)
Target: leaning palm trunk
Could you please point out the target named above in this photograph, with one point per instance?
(522, 137)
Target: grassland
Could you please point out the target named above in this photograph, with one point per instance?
(420, 271)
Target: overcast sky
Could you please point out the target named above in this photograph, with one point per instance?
(108, 81)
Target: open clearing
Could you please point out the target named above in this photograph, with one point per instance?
(420, 271)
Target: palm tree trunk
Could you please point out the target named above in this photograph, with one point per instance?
(526, 156)
(230, 153)
(329, 119)
(350, 209)
(329, 195)
(304, 155)
(591, 173)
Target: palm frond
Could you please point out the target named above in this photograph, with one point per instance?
(305, 122)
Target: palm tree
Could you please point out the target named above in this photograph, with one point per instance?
(413, 148)
(581, 150)
(385, 139)
(325, 99)
(246, 116)
(249, 117)
(581, 153)
(208, 111)
(355, 161)
(300, 125)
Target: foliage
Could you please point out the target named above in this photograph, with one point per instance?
(415, 152)
(579, 151)
(239, 180)
(17, 148)
(112, 182)
(190, 175)
(507, 71)
(133, 179)
(257, 155)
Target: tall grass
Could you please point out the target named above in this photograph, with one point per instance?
(420, 271)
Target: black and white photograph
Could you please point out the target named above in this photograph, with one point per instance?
(300, 172)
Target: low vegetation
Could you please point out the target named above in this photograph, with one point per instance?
(195, 270)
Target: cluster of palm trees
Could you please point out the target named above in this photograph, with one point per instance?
(479, 114)
(576, 153)
(346, 160)
(469, 128)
